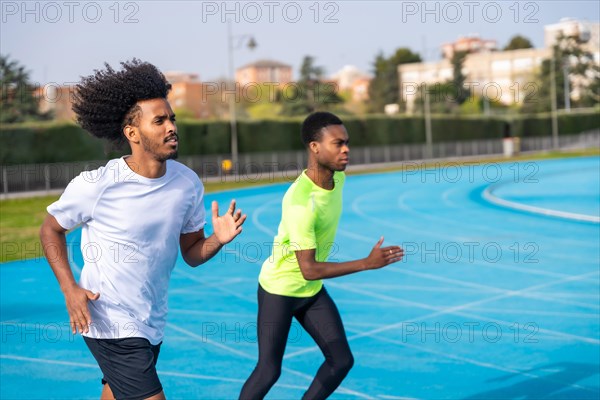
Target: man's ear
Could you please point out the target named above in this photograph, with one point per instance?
(131, 133)
(314, 147)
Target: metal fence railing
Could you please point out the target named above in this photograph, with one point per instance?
(56, 176)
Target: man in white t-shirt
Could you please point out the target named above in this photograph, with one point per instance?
(135, 212)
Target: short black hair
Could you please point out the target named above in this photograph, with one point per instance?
(313, 125)
(106, 101)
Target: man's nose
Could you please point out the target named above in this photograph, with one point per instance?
(171, 127)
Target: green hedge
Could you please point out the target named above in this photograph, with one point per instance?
(65, 142)
(24, 144)
(541, 125)
(269, 135)
(197, 137)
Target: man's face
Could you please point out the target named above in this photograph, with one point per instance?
(332, 149)
(157, 129)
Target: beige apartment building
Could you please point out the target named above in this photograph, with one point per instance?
(504, 76)
(350, 78)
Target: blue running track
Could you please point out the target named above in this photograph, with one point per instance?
(498, 295)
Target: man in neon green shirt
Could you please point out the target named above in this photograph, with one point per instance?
(290, 283)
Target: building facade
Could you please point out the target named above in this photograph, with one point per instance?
(187, 93)
(57, 100)
(505, 76)
(264, 71)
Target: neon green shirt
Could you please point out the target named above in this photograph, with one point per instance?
(309, 220)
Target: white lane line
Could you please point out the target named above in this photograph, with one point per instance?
(160, 372)
(217, 286)
(542, 297)
(472, 361)
(503, 267)
(205, 339)
(446, 197)
(251, 357)
(417, 288)
(402, 204)
(455, 310)
(539, 313)
(211, 313)
(256, 217)
(490, 230)
(488, 194)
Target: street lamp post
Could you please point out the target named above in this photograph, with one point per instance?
(232, 116)
(567, 89)
(428, 135)
(553, 105)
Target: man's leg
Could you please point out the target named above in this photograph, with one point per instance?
(273, 326)
(107, 394)
(323, 322)
(158, 396)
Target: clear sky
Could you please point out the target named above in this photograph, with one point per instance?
(63, 40)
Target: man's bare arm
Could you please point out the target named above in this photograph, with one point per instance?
(196, 249)
(378, 258)
(54, 243)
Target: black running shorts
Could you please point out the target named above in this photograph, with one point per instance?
(128, 365)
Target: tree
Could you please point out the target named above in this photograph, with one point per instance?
(18, 102)
(539, 98)
(591, 94)
(378, 97)
(570, 60)
(518, 42)
(385, 86)
(448, 97)
(310, 93)
(458, 78)
(443, 98)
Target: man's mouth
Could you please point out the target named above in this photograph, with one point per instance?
(172, 139)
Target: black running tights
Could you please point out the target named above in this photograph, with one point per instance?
(319, 316)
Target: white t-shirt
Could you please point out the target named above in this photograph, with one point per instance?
(130, 242)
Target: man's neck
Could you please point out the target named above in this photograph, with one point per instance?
(151, 169)
(321, 176)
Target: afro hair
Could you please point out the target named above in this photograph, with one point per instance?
(106, 101)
